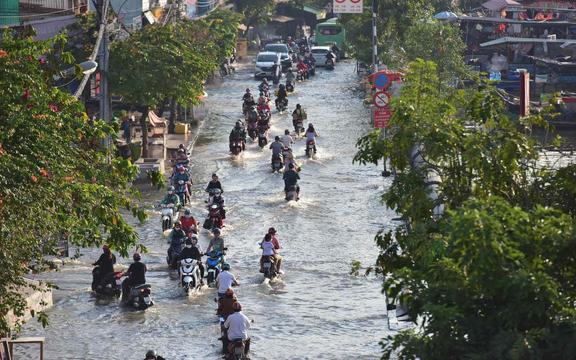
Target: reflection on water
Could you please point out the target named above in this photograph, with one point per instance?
(316, 311)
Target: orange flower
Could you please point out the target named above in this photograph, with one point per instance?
(3, 53)
(34, 179)
(43, 172)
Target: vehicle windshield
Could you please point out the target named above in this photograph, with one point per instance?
(266, 58)
(279, 48)
(319, 51)
(330, 30)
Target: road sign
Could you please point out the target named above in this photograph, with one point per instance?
(347, 6)
(381, 99)
(381, 81)
(381, 117)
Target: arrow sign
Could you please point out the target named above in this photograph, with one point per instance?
(381, 99)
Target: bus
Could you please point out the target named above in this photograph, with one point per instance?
(330, 32)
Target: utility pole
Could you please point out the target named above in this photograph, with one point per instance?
(374, 36)
(103, 56)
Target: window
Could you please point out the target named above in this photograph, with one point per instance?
(267, 58)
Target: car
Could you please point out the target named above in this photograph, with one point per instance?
(284, 52)
(319, 54)
(268, 65)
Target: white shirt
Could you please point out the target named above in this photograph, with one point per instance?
(237, 325)
(225, 280)
(287, 141)
(310, 136)
(267, 248)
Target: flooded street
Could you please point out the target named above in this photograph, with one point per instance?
(316, 310)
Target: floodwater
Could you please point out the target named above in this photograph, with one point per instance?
(316, 310)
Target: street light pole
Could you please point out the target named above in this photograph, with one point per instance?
(374, 36)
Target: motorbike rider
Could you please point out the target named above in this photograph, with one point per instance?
(192, 250)
(330, 57)
(264, 87)
(289, 160)
(214, 184)
(303, 68)
(136, 276)
(290, 77)
(217, 243)
(226, 304)
(252, 114)
(291, 178)
(286, 139)
(217, 199)
(311, 135)
(248, 97)
(282, 95)
(177, 236)
(171, 198)
(152, 355)
(225, 280)
(276, 147)
(188, 222)
(277, 247)
(238, 325)
(106, 263)
(182, 174)
(335, 50)
(268, 249)
(298, 115)
(182, 157)
(238, 134)
(263, 106)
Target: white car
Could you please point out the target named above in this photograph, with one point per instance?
(268, 65)
(319, 54)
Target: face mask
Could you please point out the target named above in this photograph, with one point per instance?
(188, 246)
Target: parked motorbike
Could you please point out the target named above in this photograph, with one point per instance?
(292, 193)
(277, 163)
(189, 275)
(108, 285)
(269, 267)
(310, 148)
(139, 297)
(214, 262)
(168, 213)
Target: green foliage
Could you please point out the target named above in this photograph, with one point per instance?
(255, 12)
(56, 180)
(223, 26)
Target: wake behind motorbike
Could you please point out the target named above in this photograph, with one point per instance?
(189, 275)
(107, 285)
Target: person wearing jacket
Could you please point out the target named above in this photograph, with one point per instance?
(192, 250)
(136, 276)
(106, 263)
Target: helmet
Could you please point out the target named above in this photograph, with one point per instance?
(291, 166)
(264, 80)
(177, 223)
(287, 132)
(216, 231)
(171, 189)
(298, 106)
(237, 306)
(187, 212)
(247, 90)
(225, 266)
(188, 242)
(229, 292)
(281, 86)
(136, 257)
(310, 125)
(193, 240)
(181, 150)
(238, 124)
(277, 138)
(180, 167)
(214, 175)
(272, 231)
(181, 146)
(151, 354)
(105, 248)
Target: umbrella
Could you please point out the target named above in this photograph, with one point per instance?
(446, 15)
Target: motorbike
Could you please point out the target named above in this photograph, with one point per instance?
(264, 116)
(282, 105)
(269, 267)
(262, 136)
(277, 163)
(237, 147)
(215, 217)
(329, 64)
(310, 148)
(237, 350)
(214, 262)
(289, 86)
(299, 127)
(182, 192)
(172, 259)
(292, 193)
(246, 105)
(189, 275)
(112, 288)
(139, 297)
(253, 130)
(311, 69)
(300, 75)
(168, 213)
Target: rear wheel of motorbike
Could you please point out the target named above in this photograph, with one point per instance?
(210, 277)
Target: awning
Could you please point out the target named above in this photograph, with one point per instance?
(282, 18)
(517, 40)
(497, 5)
(149, 17)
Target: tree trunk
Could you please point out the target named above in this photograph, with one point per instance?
(162, 107)
(144, 126)
(172, 118)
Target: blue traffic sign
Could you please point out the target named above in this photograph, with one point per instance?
(381, 81)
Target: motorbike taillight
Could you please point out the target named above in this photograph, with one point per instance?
(145, 291)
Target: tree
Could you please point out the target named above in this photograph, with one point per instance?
(255, 12)
(56, 179)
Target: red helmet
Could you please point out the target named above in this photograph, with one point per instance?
(237, 306)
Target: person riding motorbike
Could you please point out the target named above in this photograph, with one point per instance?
(238, 325)
(298, 115)
(188, 222)
(330, 58)
(238, 134)
(106, 263)
(282, 95)
(277, 247)
(311, 135)
(290, 77)
(192, 250)
(225, 280)
(248, 97)
(217, 243)
(217, 199)
(291, 178)
(226, 304)
(268, 249)
(182, 174)
(171, 198)
(286, 139)
(289, 160)
(263, 107)
(264, 87)
(303, 68)
(152, 355)
(276, 147)
(181, 157)
(252, 114)
(176, 237)
(136, 276)
(214, 184)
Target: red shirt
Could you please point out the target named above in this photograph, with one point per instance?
(275, 242)
(187, 223)
(262, 107)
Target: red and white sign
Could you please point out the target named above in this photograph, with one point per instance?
(381, 99)
(382, 117)
(347, 6)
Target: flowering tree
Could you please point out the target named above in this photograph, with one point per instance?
(56, 179)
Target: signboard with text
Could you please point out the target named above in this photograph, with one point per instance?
(347, 6)
(381, 117)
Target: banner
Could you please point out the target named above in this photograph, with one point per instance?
(347, 6)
